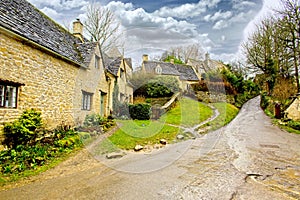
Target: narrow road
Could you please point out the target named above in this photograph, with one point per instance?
(248, 159)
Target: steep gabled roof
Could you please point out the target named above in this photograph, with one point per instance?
(185, 72)
(25, 20)
(129, 62)
(114, 66)
(167, 68)
(87, 51)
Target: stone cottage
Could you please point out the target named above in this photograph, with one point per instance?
(45, 67)
(121, 68)
(293, 111)
(185, 73)
(204, 66)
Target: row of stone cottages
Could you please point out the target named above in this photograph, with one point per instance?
(45, 67)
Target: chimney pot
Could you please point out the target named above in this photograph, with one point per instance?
(145, 57)
(78, 29)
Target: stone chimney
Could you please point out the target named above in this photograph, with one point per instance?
(78, 29)
(145, 57)
(207, 58)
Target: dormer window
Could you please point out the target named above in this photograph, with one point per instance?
(97, 62)
(158, 70)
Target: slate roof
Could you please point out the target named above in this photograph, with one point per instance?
(114, 66)
(167, 68)
(25, 20)
(185, 72)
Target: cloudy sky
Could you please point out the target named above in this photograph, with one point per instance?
(151, 27)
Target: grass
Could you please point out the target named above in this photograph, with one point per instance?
(187, 113)
(285, 126)
(227, 113)
(142, 132)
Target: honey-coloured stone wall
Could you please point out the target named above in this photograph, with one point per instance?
(49, 82)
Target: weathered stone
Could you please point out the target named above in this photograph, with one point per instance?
(163, 141)
(115, 155)
(180, 137)
(138, 147)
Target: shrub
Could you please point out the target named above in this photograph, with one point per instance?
(139, 99)
(162, 86)
(93, 122)
(140, 111)
(24, 130)
(265, 100)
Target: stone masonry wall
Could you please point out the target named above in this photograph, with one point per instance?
(92, 80)
(49, 82)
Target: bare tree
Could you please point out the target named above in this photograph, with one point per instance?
(290, 23)
(184, 53)
(102, 26)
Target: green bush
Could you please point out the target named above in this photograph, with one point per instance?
(265, 101)
(162, 86)
(140, 111)
(27, 157)
(24, 130)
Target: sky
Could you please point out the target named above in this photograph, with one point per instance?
(152, 27)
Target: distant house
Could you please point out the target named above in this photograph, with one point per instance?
(185, 73)
(45, 67)
(293, 111)
(204, 66)
(121, 68)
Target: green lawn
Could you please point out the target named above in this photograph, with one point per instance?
(187, 113)
(227, 113)
(142, 132)
(132, 132)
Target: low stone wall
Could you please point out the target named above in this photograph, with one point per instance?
(212, 97)
(158, 110)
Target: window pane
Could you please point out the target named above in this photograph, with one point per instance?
(14, 97)
(1, 95)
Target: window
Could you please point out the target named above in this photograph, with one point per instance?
(8, 96)
(97, 61)
(86, 100)
(158, 70)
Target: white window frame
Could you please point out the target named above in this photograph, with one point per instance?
(86, 100)
(8, 95)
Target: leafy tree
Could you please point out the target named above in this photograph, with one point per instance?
(176, 60)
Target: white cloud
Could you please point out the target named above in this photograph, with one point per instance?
(221, 24)
(218, 15)
(187, 10)
(242, 5)
(138, 17)
(59, 4)
(51, 13)
(241, 17)
(223, 38)
(267, 10)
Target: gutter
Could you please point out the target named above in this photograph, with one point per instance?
(39, 46)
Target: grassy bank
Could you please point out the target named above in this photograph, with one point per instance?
(227, 113)
(186, 113)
